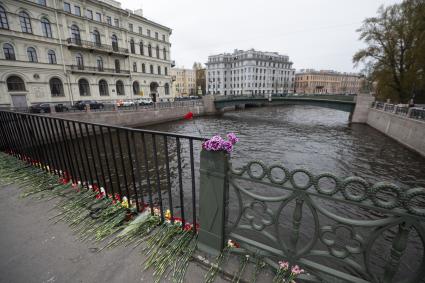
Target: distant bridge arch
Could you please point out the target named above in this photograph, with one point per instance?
(337, 102)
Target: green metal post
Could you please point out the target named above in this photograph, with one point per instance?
(213, 199)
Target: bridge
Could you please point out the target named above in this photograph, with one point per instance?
(338, 102)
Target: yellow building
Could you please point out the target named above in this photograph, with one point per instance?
(309, 81)
(184, 82)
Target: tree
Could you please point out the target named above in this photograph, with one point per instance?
(395, 49)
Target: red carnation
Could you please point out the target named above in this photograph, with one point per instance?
(188, 116)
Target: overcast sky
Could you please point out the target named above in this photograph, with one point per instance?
(319, 34)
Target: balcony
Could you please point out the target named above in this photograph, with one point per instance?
(92, 46)
(97, 70)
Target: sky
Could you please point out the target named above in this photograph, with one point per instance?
(318, 34)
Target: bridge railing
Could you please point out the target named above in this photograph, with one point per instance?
(417, 113)
(338, 229)
(151, 168)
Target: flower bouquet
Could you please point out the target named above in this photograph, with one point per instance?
(217, 143)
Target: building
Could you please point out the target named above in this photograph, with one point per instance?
(326, 82)
(61, 51)
(249, 72)
(184, 82)
(201, 78)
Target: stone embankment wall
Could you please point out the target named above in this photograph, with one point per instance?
(134, 118)
(407, 131)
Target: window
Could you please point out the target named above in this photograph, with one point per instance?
(15, 83)
(103, 88)
(99, 62)
(96, 37)
(164, 53)
(167, 89)
(77, 11)
(80, 61)
(134, 67)
(120, 88)
(149, 32)
(84, 87)
(157, 51)
(117, 66)
(32, 54)
(150, 50)
(142, 48)
(25, 22)
(51, 55)
(136, 88)
(75, 34)
(56, 87)
(114, 40)
(4, 24)
(89, 14)
(116, 22)
(163, 37)
(159, 70)
(151, 69)
(143, 68)
(66, 7)
(166, 71)
(98, 17)
(109, 20)
(140, 30)
(156, 35)
(132, 47)
(9, 52)
(130, 27)
(46, 28)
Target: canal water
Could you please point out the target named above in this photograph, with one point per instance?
(319, 140)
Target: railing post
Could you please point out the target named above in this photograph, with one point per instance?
(213, 199)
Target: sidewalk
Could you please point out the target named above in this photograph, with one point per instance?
(33, 249)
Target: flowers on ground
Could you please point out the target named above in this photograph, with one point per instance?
(217, 143)
(286, 274)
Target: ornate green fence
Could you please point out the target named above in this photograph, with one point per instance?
(339, 229)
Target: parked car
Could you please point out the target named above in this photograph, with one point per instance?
(61, 108)
(128, 103)
(40, 108)
(93, 104)
(144, 101)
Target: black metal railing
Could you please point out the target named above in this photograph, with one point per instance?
(417, 113)
(151, 168)
(77, 68)
(96, 45)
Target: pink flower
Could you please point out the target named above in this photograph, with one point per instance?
(296, 270)
(232, 138)
(284, 265)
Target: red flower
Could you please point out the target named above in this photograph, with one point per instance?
(188, 116)
(117, 197)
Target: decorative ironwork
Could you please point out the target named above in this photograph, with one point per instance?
(368, 249)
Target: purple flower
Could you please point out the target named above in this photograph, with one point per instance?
(227, 146)
(215, 143)
(232, 138)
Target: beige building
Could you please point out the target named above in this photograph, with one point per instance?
(61, 51)
(184, 82)
(310, 81)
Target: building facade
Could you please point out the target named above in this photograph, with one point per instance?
(61, 51)
(249, 72)
(309, 81)
(201, 78)
(184, 82)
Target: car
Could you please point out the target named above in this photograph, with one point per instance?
(93, 104)
(61, 108)
(40, 108)
(128, 103)
(144, 101)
